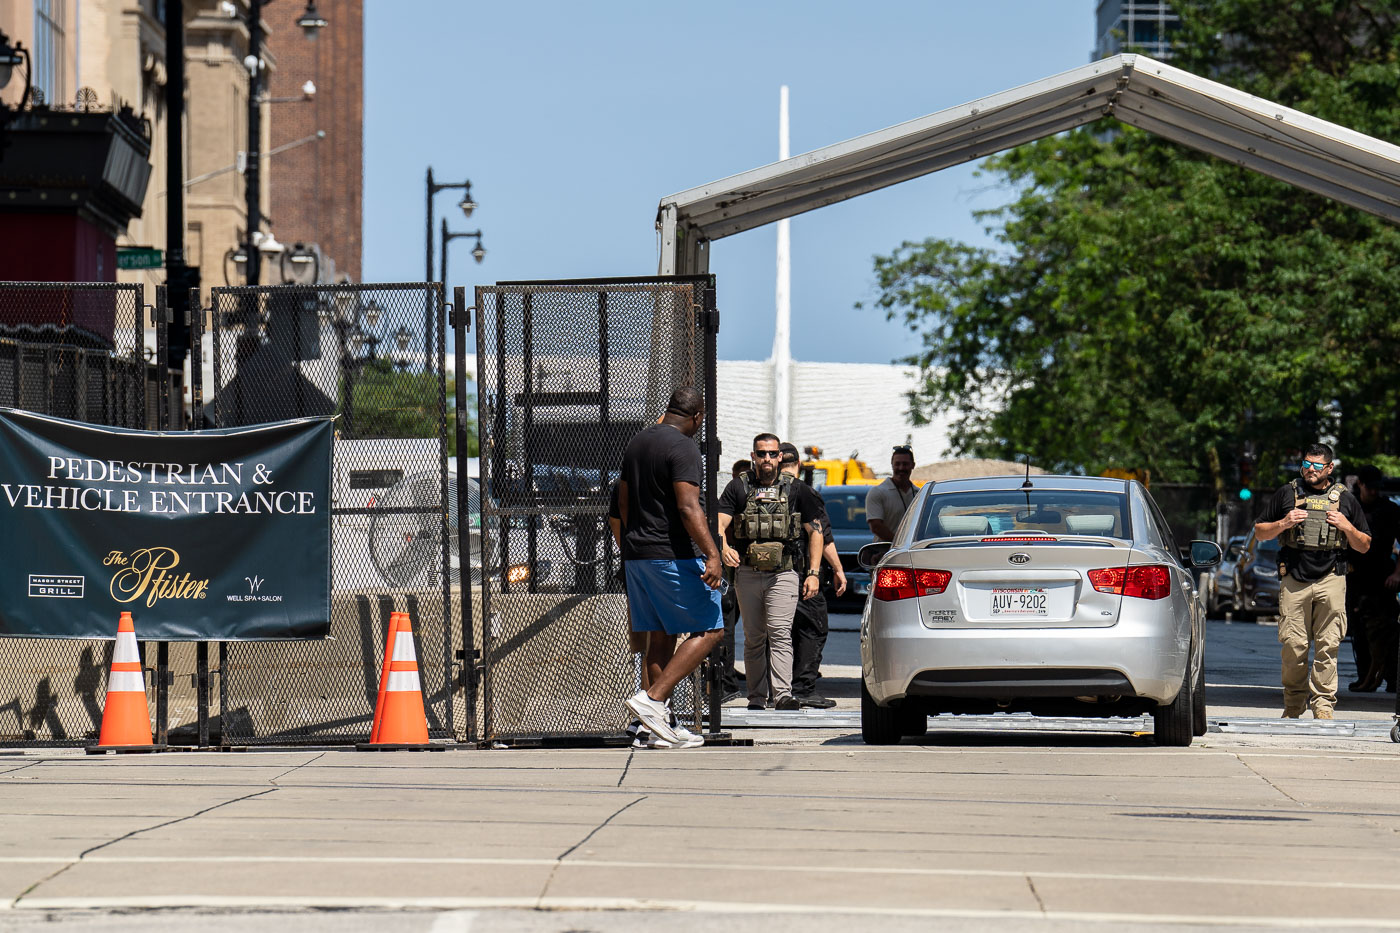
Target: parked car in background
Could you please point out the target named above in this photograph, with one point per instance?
(1220, 581)
(1256, 579)
(845, 506)
(1055, 594)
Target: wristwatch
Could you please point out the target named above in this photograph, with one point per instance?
(811, 573)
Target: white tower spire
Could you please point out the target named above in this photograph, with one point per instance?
(782, 331)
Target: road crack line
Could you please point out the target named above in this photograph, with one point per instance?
(20, 768)
(539, 904)
(630, 755)
(1261, 777)
(1035, 894)
(136, 832)
(279, 777)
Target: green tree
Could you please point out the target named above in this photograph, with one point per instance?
(387, 402)
(1150, 306)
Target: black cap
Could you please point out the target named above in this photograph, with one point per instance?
(789, 452)
(1370, 476)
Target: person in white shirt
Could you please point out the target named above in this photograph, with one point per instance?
(886, 503)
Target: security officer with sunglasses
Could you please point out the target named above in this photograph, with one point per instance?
(1316, 520)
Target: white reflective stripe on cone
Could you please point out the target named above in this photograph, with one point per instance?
(126, 682)
(403, 646)
(126, 649)
(402, 680)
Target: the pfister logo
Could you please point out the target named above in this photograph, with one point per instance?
(1020, 558)
(151, 573)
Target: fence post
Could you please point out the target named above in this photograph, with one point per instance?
(710, 320)
(461, 324)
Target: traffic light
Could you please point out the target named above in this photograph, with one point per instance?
(1245, 494)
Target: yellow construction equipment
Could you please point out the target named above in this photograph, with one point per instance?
(817, 471)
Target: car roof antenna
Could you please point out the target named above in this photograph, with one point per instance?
(1028, 484)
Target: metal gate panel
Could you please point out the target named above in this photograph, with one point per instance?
(567, 372)
(356, 352)
(74, 350)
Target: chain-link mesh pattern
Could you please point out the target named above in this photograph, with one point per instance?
(567, 373)
(357, 352)
(74, 351)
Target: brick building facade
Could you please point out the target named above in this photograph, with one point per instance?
(316, 188)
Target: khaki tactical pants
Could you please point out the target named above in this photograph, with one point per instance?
(767, 601)
(1311, 612)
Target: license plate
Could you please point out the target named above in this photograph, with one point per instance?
(1031, 602)
(862, 589)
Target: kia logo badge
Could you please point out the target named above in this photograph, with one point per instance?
(1019, 558)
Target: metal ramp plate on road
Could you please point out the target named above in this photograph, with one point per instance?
(1024, 722)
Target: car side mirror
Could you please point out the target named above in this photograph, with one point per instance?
(872, 553)
(1204, 555)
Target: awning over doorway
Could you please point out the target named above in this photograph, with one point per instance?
(1286, 144)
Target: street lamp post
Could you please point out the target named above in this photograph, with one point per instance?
(467, 205)
(311, 23)
(478, 251)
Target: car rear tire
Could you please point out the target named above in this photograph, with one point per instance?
(879, 725)
(1198, 702)
(913, 721)
(1172, 724)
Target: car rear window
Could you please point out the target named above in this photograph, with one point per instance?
(845, 509)
(1055, 511)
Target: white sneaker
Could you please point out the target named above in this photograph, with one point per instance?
(653, 716)
(690, 740)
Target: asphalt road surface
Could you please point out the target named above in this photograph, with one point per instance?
(968, 829)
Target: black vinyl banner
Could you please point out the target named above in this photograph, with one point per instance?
(219, 535)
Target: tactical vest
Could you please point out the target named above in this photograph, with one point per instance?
(1313, 533)
(768, 525)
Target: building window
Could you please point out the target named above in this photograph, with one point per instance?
(49, 48)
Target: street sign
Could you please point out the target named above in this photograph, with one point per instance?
(139, 257)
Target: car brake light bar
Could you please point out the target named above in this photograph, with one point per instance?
(903, 583)
(1146, 581)
(1022, 539)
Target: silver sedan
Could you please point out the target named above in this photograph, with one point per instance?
(1058, 595)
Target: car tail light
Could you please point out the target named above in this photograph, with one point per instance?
(1148, 581)
(1019, 539)
(902, 583)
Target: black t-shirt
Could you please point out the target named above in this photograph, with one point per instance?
(656, 457)
(1371, 569)
(1310, 566)
(801, 498)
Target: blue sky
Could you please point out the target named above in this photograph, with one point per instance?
(572, 120)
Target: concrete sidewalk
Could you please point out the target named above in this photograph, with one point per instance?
(1079, 829)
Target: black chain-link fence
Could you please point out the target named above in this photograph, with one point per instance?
(567, 373)
(75, 351)
(359, 352)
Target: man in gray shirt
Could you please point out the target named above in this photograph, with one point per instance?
(886, 503)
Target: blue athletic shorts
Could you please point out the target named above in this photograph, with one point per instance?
(669, 596)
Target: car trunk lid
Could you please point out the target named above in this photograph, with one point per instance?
(1022, 581)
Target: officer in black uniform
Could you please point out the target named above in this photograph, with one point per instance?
(1316, 520)
(809, 622)
(762, 515)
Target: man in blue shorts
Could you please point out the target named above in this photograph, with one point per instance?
(670, 590)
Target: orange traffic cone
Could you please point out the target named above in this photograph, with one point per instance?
(126, 719)
(400, 721)
(383, 670)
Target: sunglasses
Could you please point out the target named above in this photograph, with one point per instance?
(767, 454)
(902, 449)
(1320, 465)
